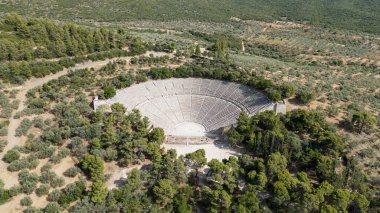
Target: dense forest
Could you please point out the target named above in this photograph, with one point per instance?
(292, 162)
(28, 39)
(363, 14)
(291, 165)
(27, 44)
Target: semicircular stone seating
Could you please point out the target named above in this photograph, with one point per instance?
(210, 103)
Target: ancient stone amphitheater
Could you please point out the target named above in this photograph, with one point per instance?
(191, 106)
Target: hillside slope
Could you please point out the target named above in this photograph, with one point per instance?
(359, 15)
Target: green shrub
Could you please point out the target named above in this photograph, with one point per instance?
(28, 181)
(42, 190)
(111, 154)
(109, 91)
(29, 162)
(57, 182)
(77, 147)
(3, 131)
(63, 152)
(11, 156)
(52, 207)
(273, 94)
(14, 191)
(31, 209)
(305, 96)
(367, 153)
(332, 110)
(4, 194)
(24, 127)
(72, 172)
(45, 152)
(72, 192)
(38, 122)
(54, 195)
(6, 112)
(287, 90)
(46, 167)
(26, 201)
(3, 143)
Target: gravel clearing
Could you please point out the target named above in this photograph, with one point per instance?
(217, 150)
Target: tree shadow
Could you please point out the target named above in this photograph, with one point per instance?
(120, 182)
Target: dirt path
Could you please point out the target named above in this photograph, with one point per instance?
(217, 151)
(119, 174)
(13, 205)
(34, 82)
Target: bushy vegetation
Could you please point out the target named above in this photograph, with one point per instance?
(305, 96)
(3, 143)
(268, 184)
(72, 172)
(4, 194)
(72, 192)
(11, 156)
(6, 108)
(143, 60)
(43, 190)
(41, 38)
(24, 127)
(49, 177)
(300, 140)
(17, 72)
(52, 207)
(28, 181)
(266, 133)
(324, 13)
(26, 201)
(32, 38)
(134, 132)
(362, 121)
(295, 162)
(29, 162)
(61, 154)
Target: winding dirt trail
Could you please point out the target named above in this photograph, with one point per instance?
(11, 178)
(12, 139)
